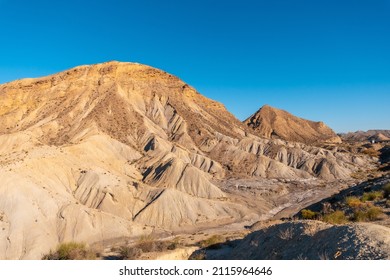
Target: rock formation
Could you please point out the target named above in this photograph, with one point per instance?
(273, 123)
(122, 149)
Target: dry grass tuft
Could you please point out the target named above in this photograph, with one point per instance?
(71, 251)
(337, 217)
(308, 214)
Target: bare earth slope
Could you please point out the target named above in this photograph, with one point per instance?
(122, 150)
(314, 240)
(270, 122)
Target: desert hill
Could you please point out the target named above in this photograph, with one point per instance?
(362, 136)
(122, 150)
(274, 123)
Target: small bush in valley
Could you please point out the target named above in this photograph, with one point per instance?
(354, 202)
(130, 253)
(372, 196)
(71, 251)
(337, 217)
(308, 214)
(146, 244)
(372, 213)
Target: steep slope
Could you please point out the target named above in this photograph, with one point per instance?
(123, 149)
(314, 240)
(270, 122)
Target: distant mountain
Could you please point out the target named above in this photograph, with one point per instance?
(274, 123)
(360, 136)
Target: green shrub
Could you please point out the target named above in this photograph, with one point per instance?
(337, 217)
(308, 214)
(372, 196)
(71, 251)
(386, 190)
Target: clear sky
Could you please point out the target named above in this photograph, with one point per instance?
(323, 60)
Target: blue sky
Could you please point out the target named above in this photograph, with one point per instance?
(323, 60)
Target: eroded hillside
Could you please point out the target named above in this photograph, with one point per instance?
(122, 150)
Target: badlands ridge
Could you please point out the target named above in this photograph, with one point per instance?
(119, 150)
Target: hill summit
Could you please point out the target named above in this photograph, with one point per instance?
(274, 123)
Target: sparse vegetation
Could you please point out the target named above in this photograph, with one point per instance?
(337, 217)
(372, 196)
(71, 251)
(365, 208)
(130, 253)
(286, 234)
(146, 244)
(372, 213)
(371, 152)
(386, 190)
(308, 214)
(354, 202)
(212, 241)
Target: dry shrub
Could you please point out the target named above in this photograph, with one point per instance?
(337, 217)
(212, 241)
(308, 214)
(386, 190)
(286, 234)
(372, 213)
(71, 251)
(354, 202)
(146, 244)
(130, 253)
(372, 196)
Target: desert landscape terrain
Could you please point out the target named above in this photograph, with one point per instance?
(125, 161)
